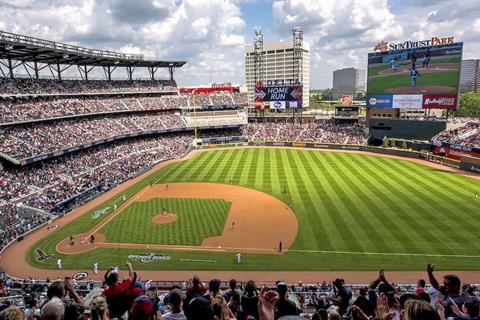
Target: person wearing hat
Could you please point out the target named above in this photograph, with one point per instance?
(285, 306)
(142, 309)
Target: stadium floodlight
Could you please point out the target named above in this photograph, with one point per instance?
(170, 64)
(9, 47)
(65, 56)
(117, 62)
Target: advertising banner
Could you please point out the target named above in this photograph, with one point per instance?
(278, 105)
(294, 104)
(454, 151)
(347, 100)
(277, 93)
(379, 101)
(440, 101)
(407, 101)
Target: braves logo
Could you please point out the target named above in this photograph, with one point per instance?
(382, 46)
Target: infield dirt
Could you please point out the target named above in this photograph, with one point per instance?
(13, 261)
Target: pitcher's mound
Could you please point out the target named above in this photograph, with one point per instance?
(164, 218)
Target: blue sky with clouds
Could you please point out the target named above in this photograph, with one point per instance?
(211, 34)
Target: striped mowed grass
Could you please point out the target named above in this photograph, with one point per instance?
(355, 211)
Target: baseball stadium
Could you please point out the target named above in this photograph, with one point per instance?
(105, 175)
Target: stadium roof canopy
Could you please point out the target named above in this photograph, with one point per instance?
(28, 49)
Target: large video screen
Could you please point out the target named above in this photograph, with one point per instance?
(278, 97)
(425, 77)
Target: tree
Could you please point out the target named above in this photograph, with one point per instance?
(469, 105)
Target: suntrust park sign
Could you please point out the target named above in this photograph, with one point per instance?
(384, 46)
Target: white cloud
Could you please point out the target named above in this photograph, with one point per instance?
(210, 34)
(341, 33)
(191, 30)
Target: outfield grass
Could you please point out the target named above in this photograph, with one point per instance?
(355, 212)
(196, 219)
(380, 84)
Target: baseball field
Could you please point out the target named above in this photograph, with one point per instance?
(331, 211)
(441, 76)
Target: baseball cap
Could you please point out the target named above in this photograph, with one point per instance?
(142, 307)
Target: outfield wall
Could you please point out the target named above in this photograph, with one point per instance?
(394, 152)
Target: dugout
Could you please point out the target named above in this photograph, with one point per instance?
(403, 129)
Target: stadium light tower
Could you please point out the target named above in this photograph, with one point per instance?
(297, 53)
(258, 68)
(297, 33)
(258, 51)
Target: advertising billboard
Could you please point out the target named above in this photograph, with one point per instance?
(347, 100)
(278, 96)
(414, 75)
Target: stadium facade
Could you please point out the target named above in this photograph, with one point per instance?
(278, 64)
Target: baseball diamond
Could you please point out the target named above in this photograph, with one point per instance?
(344, 203)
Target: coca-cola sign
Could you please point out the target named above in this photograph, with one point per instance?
(439, 101)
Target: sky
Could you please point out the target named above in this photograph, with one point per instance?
(211, 35)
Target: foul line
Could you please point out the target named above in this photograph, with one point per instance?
(388, 253)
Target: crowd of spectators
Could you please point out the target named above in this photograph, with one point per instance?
(17, 220)
(467, 135)
(49, 107)
(37, 138)
(14, 110)
(44, 184)
(327, 131)
(49, 86)
(131, 298)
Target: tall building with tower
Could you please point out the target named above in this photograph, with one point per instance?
(470, 76)
(348, 81)
(283, 61)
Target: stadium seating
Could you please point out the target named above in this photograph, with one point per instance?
(246, 300)
(320, 131)
(47, 86)
(45, 184)
(467, 135)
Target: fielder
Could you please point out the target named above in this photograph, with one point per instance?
(393, 64)
(95, 268)
(59, 264)
(239, 257)
(413, 75)
(114, 207)
(124, 197)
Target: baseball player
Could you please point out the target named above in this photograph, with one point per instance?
(95, 268)
(414, 58)
(239, 257)
(426, 58)
(413, 76)
(124, 197)
(115, 207)
(59, 263)
(393, 64)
